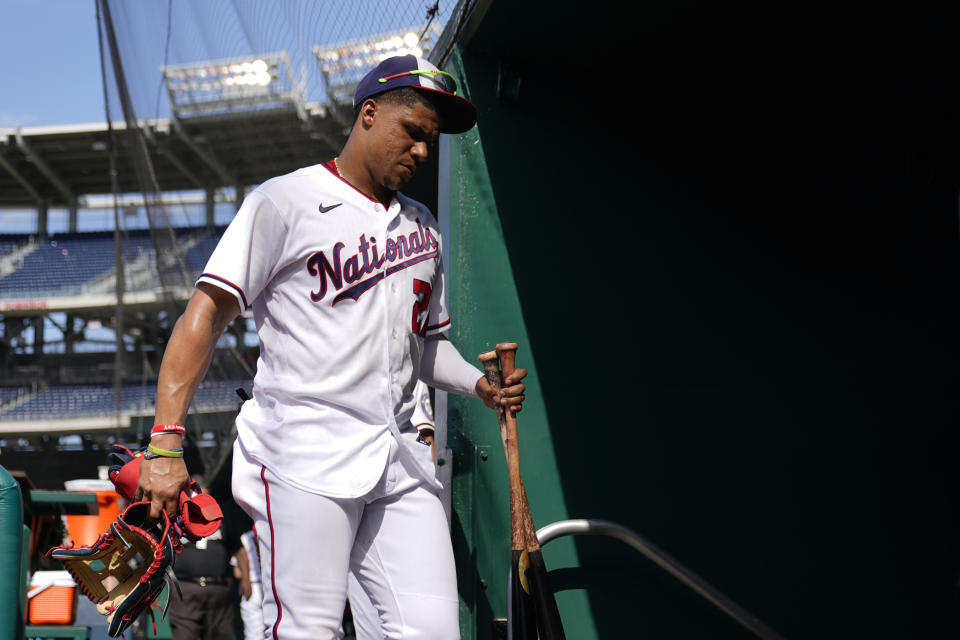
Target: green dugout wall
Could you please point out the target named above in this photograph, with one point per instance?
(726, 240)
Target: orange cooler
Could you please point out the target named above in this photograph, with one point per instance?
(84, 530)
(52, 598)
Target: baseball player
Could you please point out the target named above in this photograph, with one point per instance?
(344, 277)
(251, 601)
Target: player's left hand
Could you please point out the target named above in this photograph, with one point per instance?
(510, 396)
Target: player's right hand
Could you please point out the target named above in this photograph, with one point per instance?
(161, 481)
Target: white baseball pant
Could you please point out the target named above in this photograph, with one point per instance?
(394, 540)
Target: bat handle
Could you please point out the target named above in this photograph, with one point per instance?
(519, 530)
(507, 353)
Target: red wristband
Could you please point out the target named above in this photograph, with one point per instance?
(168, 428)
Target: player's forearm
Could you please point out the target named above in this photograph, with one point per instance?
(444, 368)
(185, 362)
(189, 352)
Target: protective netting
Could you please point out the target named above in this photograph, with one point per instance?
(170, 63)
(217, 33)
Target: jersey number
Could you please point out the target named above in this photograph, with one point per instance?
(421, 291)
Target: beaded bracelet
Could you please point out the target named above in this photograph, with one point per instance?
(168, 428)
(156, 452)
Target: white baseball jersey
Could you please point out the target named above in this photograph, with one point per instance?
(343, 292)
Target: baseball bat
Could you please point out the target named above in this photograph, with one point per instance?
(522, 609)
(545, 604)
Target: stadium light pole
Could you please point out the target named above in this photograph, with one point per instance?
(233, 85)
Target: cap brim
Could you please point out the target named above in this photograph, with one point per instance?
(457, 114)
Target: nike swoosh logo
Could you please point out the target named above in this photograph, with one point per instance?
(324, 209)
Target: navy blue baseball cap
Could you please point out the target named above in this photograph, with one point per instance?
(457, 114)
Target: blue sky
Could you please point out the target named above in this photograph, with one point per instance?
(52, 64)
(52, 76)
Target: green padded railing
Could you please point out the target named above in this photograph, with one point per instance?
(11, 541)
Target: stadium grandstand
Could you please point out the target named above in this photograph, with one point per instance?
(62, 377)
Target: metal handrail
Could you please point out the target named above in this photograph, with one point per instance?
(604, 527)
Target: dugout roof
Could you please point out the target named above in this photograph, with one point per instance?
(61, 164)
